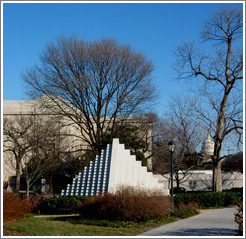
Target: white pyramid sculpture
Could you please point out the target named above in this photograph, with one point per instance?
(115, 167)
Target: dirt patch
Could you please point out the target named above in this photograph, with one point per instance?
(15, 233)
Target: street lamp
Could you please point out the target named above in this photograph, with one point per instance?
(171, 147)
(43, 182)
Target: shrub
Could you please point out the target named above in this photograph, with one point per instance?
(60, 204)
(208, 199)
(126, 204)
(239, 217)
(16, 207)
(185, 210)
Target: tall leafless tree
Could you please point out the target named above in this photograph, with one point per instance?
(221, 71)
(93, 84)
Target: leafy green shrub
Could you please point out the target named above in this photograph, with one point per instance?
(231, 198)
(60, 204)
(127, 204)
(185, 210)
(208, 199)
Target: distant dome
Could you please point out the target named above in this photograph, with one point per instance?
(208, 146)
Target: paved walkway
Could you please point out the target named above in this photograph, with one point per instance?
(215, 222)
(62, 215)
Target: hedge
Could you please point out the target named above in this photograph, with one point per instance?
(208, 199)
(60, 205)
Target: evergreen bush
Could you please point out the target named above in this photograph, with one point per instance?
(60, 204)
(208, 199)
(185, 210)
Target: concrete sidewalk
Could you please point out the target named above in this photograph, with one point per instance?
(60, 215)
(215, 222)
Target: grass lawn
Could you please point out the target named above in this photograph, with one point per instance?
(72, 227)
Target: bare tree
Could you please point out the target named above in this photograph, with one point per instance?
(16, 133)
(47, 151)
(184, 125)
(93, 84)
(32, 146)
(185, 131)
(32, 169)
(221, 70)
(180, 126)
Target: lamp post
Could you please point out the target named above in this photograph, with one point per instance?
(43, 182)
(171, 146)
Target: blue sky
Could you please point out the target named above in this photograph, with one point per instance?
(156, 29)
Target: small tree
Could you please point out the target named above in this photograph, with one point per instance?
(32, 146)
(32, 170)
(46, 152)
(16, 141)
(181, 126)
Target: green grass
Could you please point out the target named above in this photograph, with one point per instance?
(72, 227)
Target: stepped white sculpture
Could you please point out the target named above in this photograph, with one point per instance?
(115, 167)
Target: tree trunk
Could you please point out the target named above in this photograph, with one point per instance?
(177, 179)
(217, 182)
(27, 188)
(218, 139)
(18, 175)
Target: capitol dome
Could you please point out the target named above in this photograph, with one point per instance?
(208, 146)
